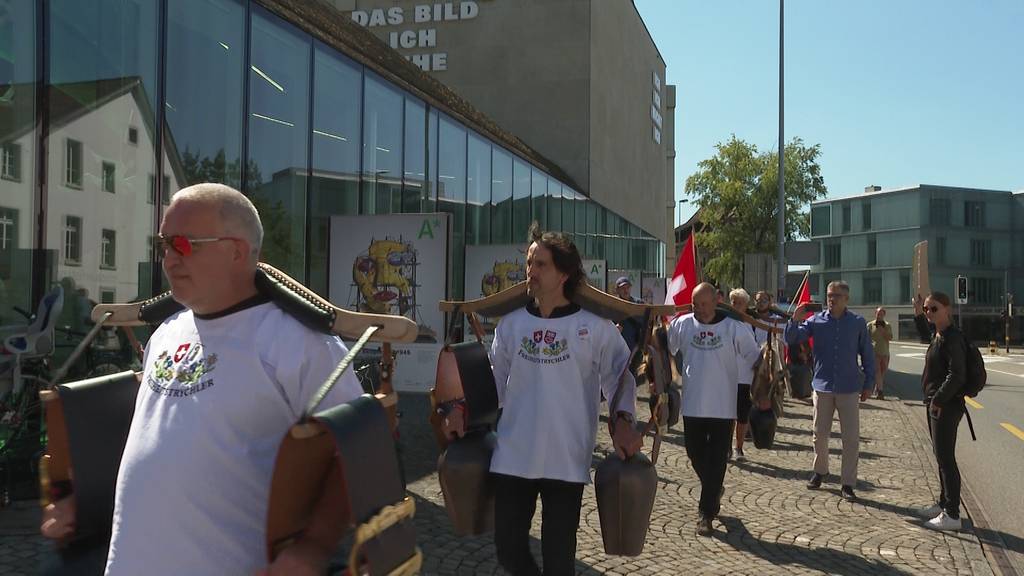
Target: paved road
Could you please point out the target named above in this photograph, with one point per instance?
(770, 523)
(993, 467)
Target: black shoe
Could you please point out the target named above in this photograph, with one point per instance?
(815, 482)
(848, 494)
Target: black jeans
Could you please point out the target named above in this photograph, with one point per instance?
(515, 502)
(943, 432)
(707, 445)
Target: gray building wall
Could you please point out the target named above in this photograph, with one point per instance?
(901, 218)
(570, 78)
(628, 167)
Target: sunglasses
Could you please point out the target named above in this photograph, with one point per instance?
(932, 309)
(184, 245)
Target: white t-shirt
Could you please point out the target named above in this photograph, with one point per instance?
(712, 355)
(216, 399)
(550, 373)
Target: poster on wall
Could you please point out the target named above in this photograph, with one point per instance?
(653, 290)
(395, 264)
(491, 269)
(634, 280)
(597, 275)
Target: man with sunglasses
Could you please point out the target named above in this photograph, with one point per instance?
(840, 337)
(223, 381)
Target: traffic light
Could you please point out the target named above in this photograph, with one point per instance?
(961, 289)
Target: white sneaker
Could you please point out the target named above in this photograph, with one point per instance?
(944, 522)
(929, 512)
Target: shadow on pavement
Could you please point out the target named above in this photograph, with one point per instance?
(822, 559)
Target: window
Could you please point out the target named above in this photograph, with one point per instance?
(981, 252)
(279, 133)
(151, 198)
(133, 135)
(847, 217)
(451, 194)
(940, 210)
(72, 240)
(521, 210)
(554, 200)
(974, 214)
(205, 47)
(478, 191)
(10, 161)
(334, 189)
(940, 250)
(8, 243)
(108, 177)
(8, 221)
(382, 148)
(166, 190)
(872, 250)
(538, 192)
(904, 286)
(821, 220)
(73, 164)
(986, 291)
(833, 255)
(108, 249)
(414, 193)
(501, 197)
(873, 289)
(107, 295)
(865, 212)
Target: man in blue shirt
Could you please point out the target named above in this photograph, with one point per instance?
(840, 337)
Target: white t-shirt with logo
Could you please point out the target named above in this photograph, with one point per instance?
(712, 355)
(550, 373)
(216, 399)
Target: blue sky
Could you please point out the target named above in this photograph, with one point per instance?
(897, 92)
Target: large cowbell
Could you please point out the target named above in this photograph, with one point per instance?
(625, 497)
(464, 371)
(87, 427)
(762, 427)
(347, 448)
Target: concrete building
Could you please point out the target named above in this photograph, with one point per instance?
(581, 82)
(868, 240)
(106, 110)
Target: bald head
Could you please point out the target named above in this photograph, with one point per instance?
(705, 298)
(236, 213)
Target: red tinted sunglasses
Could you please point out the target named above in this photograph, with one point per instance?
(184, 245)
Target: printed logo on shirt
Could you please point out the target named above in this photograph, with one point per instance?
(583, 332)
(555, 350)
(706, 340)
(181, 374)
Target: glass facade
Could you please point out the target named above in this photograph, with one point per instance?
(144, 98)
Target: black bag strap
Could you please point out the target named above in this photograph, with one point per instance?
(969, 423)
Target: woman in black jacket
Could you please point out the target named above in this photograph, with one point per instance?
(943, 383)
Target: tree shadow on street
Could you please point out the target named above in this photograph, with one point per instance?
(821, 559)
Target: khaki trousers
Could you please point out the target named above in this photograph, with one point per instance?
(848, 405)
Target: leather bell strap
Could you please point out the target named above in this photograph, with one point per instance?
(338, 371)
(614, 404)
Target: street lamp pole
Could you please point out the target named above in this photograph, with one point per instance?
(781, 209)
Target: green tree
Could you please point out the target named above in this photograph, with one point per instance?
(736, 191)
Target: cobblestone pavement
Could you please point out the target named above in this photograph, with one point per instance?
(770, 523)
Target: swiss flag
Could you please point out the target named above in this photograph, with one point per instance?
(684, 279)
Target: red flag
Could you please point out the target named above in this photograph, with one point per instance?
(684, 279)
(805, 293)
